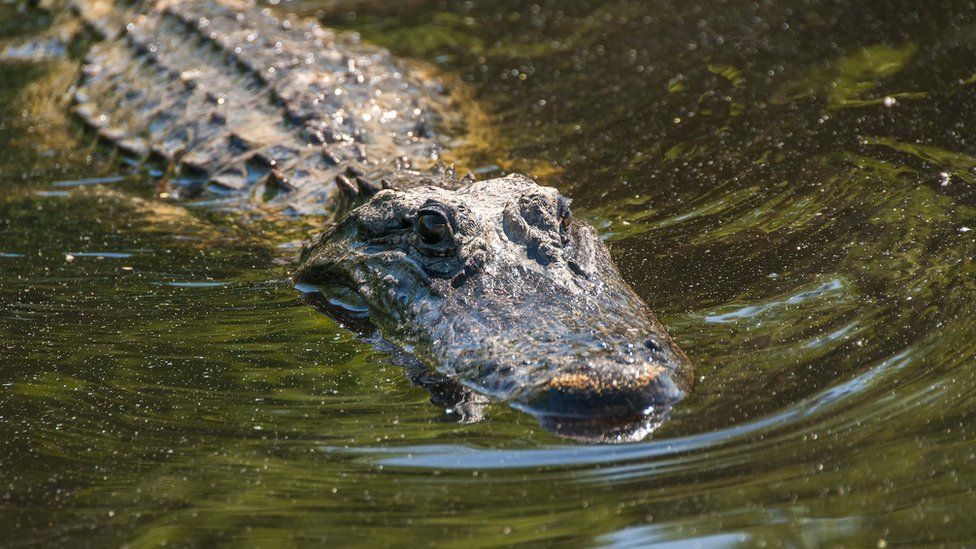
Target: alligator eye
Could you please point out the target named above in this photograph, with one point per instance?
(432, 227)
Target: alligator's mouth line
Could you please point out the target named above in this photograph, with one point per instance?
(332, 290)
(336, 290)
(341, 289)
(346, 299)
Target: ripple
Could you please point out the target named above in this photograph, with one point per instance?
(467, 458)
(101, 255)
(90, 181)
(751, 311)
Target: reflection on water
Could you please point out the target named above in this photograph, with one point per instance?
(789, 186)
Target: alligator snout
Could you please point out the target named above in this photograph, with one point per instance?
(590, 395)
(497, 286)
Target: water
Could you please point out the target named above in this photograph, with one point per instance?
(789, 186)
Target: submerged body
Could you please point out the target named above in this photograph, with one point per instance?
(248, 106)
(493, 284)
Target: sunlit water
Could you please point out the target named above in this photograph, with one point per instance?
(790, 187)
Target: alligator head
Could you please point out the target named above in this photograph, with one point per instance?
(497, 286)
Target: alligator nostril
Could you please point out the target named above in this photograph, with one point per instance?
(577, 270)
(459, 280)
(653, 345)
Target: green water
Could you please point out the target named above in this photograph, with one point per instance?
(790, 186)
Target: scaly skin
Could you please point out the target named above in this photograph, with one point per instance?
(252, 107)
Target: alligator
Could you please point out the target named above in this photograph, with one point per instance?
(492, 284)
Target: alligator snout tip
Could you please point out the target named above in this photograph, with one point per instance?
(588, 395)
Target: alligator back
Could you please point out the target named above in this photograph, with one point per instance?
(247, 104)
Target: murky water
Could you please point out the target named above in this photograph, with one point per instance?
(790, 185)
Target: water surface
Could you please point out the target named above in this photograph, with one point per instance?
(790, 186)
